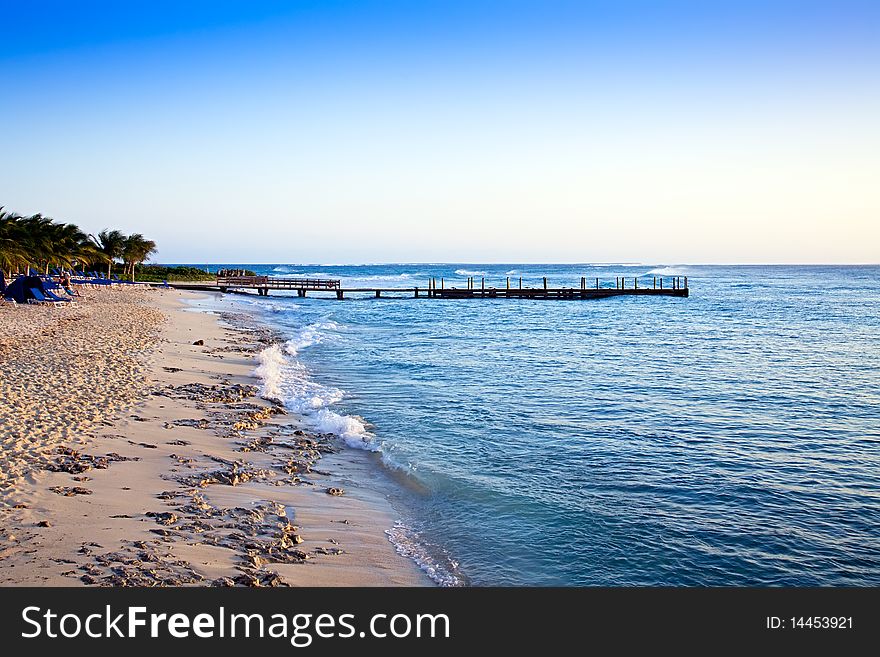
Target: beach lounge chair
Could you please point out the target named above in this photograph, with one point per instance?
(39, 297)
(51, 296)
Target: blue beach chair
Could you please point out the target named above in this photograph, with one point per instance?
(40, 298)
(51, 296)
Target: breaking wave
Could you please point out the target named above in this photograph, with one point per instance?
(274, 307)
(286, 379)
(437, 563)
(668, 271)
(388, 277)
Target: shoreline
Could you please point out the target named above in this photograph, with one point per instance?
(190, 478)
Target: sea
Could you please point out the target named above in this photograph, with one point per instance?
(727, 438)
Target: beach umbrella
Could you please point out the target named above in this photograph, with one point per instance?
(20, 288)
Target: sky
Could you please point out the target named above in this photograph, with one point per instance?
(447, 131)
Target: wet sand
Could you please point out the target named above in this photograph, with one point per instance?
(133, 457)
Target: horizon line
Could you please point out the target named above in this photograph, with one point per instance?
(588, 264)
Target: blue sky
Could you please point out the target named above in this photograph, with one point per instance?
(450, 131)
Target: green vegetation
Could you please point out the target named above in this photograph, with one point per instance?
(42, 243)
(159, 273)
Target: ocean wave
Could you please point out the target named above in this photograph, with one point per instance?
(668, 271)
(275, 307)
(371, 277)
(286, 379)
(468, 272)
(387, 277)
(271, 362)
(310, 335)
(437, 564)
(299, 274)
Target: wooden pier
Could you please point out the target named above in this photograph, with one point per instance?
(668, 286)
(262, 284)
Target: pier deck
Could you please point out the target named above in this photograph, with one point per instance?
(676, 286)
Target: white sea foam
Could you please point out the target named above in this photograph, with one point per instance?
(468, 272)
(271, 363)
(668, 271)
(279, 307)
(438, 565)
(310, 335)
(388, 277)
(288, 380)
(272, 306)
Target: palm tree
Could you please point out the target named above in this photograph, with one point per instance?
(12, 251)
(136, 250)
(86, 253)
(71, 245)
(40, 242)
(110, 243)
(36, 235)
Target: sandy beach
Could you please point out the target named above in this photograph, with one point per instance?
(136, 451)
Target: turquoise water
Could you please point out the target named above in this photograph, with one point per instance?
(729, 438)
